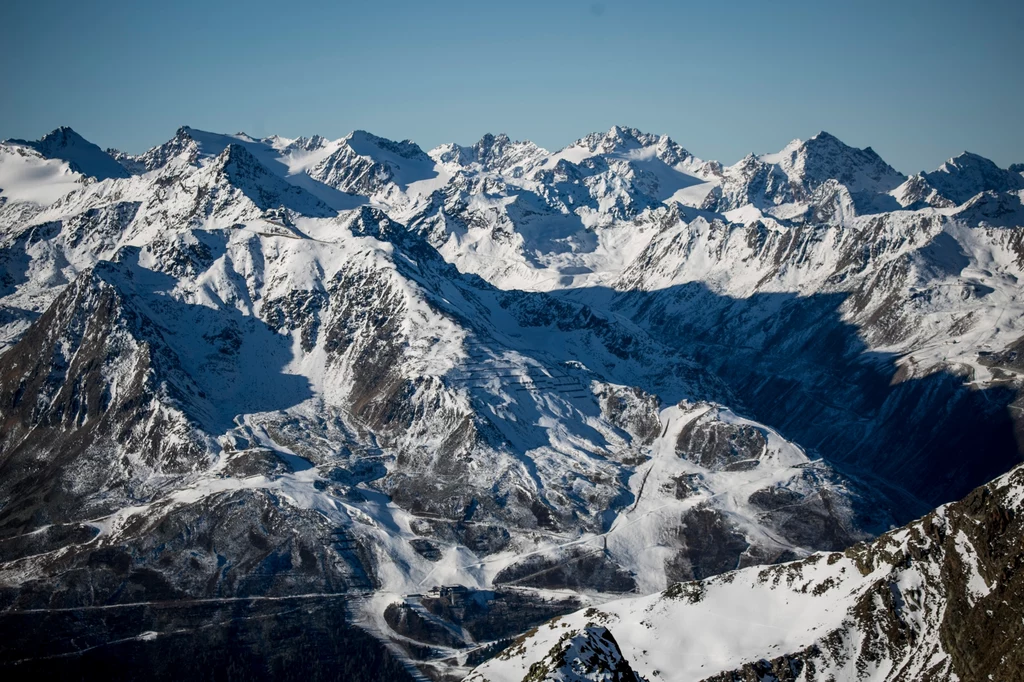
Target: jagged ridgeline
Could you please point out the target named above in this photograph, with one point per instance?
(264, 397)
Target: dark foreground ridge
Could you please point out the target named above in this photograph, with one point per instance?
(287, 639)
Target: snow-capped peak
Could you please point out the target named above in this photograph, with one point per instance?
(183, 143)
(917, 192)
(450, 153)
(622, 140)
(81, 155)
(498, 153)
(967, 175)
(618, 139)
(366, 164)
(492, 149)
(307, 144)
(266, 189)
(236, 156)
(823, 157)
(371, 146)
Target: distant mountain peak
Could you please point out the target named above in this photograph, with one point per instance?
(965, 157)
(825, 140)
(917, 192)
(624, 132)
(490, 138)
(620, 138)
(824, 135)
(490, 145)
(968, 174)
(489, 141)
(183, 142)
(824, 156)
(969, 162)
(82, 156)
(494, 152)
(64, 136)
(236, 154)
(497, 150)
(309, 143)
(364, 143)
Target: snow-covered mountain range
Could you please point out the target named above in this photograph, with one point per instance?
(473, 388)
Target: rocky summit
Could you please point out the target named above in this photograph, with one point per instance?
(352, 409)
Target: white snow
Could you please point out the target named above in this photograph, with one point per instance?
(976, 585)
(26, 176)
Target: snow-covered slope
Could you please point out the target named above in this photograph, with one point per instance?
(82, 156)
(27, 176)
(937, 599)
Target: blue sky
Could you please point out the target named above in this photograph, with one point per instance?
(918, 80)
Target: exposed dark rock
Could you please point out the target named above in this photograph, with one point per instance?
(710, 545)
(426, 549)
(771, 499)
(408, 622)
(255, 462)
(721, 446)
(313, 640)
(62, 416)
(684, 485)
(635, 411)
(497, 615)
(583, 655)
(812, 521)
(577, 568)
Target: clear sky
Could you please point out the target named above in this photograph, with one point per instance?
(918, 80)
